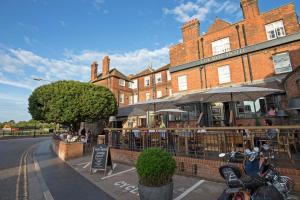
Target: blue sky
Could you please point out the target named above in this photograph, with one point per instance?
(58, 39)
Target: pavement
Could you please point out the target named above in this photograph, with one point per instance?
(122, 182)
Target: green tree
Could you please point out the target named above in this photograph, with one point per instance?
(70, 102)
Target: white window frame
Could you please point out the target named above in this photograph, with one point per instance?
(182, 82)
(224, 74)
(282, 63)
(275, 30)
(130, 99)
(122, 98)
(170, 92)
(135, 84)
(221, 46)
(168, 75)
(158, 94)
(135, 98)
(148, 96)
(146, 79)
(122, 82)
(158, 78)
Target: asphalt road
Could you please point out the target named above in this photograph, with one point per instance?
(11, 152)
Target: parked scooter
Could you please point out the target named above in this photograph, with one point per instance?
(260, 179)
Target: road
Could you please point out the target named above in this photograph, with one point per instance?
(11, 152)
(61, 181)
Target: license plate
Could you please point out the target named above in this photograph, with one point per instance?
(232, 190)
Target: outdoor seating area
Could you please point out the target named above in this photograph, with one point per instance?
(209, 142)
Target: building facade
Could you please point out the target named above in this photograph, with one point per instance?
(260, 50)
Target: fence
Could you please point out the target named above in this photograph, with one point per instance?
(36, 132)
(206, 144)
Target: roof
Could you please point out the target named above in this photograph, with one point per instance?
(112, 72)
(150, 70)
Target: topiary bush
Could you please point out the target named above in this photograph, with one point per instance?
(155, 167)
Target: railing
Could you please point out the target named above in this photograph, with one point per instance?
(284, 141)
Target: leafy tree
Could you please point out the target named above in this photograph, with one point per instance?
(70, 102)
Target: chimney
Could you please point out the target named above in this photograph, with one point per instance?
(94, 71)
(105, 65)
(190, 30)
(250, 9)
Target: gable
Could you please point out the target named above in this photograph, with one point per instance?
(218, 25)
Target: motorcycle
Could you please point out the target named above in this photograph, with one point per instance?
(260, 179)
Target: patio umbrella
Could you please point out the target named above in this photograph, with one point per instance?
(170, 111)
(238, 93)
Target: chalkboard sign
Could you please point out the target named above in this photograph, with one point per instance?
(101, 157)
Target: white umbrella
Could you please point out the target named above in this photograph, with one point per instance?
(170, 111)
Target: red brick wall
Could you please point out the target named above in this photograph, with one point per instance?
(254, 27)
(292, 84)
(208, 169)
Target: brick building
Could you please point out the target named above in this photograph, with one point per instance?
(259, 50)
(144, 86)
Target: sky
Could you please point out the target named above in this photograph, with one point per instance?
(59, 39)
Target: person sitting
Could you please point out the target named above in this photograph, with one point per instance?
(272, 111)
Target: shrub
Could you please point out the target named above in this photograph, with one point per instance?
(155, 167)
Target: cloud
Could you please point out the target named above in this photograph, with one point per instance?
(201, 9)
(19, 66)
(98, 4)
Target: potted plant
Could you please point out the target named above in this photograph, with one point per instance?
(155, 168)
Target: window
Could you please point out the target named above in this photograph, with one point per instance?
(121, 98)
(121, 82)
(130, 99)
(282, 63)
(147, 96)
(275, 30)
(168, 75)
(158, 78)
(224, 74)
(135, 84)
(220, 46)
(158, 94)
(135, 98)
(170, 92)
(182, 83)
(130, 85)
(147, 80)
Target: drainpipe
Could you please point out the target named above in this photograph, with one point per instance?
(240, 46)
(204, 65)
(248, 57)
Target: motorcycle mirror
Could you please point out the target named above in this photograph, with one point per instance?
(221, 155)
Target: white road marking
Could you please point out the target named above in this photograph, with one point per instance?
(84, 163)
(19, 174)
(128, 170)
(190, 190)
(87, 164)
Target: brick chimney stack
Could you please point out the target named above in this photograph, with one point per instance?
(94, 71)
(250, 9)
(190, 30)
(105, 65)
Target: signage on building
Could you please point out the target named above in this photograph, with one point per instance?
(238, 52)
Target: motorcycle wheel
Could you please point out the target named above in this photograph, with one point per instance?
(225, 196)
(267, 193)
